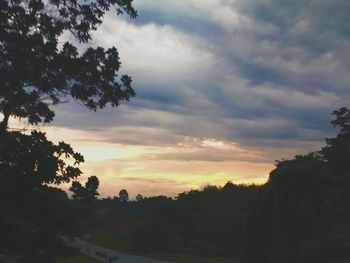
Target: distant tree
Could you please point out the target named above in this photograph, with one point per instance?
(210, 188)
(139, 197)
(92, 186)
(87, 193)
(123, 195)
(229, 186)
(36, 71)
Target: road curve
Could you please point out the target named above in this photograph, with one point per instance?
(91, 249)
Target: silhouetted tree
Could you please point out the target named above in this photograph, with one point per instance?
(123, 195)
(139, 197)
(92, 186)
(337, 150)
(87, 193)
(32, 161)
(36, 72)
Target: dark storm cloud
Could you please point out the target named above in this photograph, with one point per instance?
(329, 16)
(259, 74)
(187, 22)
(158, 98)
(307, 32)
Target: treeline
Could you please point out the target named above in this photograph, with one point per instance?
(302, 214)
(207, 222)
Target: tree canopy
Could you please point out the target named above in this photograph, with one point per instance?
(36, 71)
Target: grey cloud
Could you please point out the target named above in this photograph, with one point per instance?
(315, 28)
(271, 75)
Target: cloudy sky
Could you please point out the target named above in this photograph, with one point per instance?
(224, 88)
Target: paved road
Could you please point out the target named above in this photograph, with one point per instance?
(91, 249)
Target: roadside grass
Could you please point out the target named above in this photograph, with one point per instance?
(114, 237)
(6, 259)
(78, 259)
(118, 237)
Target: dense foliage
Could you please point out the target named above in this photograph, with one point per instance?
(304, 212)
(32, 217)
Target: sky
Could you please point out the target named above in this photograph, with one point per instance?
(224, 88)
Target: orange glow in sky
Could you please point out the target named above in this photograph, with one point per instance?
(161, 170)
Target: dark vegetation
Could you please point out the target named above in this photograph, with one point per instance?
(38, 71)
(302, 214)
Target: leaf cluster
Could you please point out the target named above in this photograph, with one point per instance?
(33, 161)
(36, 71)
(87, 193)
